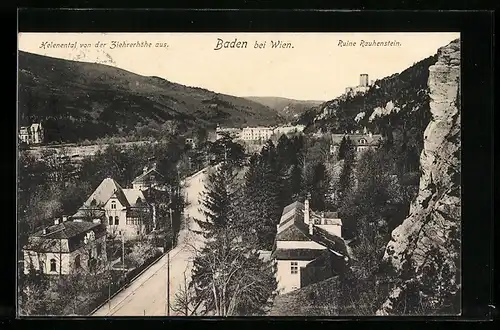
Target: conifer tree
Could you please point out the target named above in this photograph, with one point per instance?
(319, 188)
(228, 278)
(218, 201)
(342, 148)
(262, 196)
(285, 158)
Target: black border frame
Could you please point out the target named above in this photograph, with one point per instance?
(476, 29)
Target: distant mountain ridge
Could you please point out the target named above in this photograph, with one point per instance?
(289, 108)
(79, 100)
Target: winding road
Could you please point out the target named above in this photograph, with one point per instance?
(146, 295)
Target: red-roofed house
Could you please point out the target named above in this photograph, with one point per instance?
(66, 246)
(121, 210)
(308, 247)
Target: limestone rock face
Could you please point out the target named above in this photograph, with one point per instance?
(435, 215)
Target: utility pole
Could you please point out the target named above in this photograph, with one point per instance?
(109, 288)
(123, 252)
(167, 298)
(168, 283)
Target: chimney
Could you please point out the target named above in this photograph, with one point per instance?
(64, 218)
(306, 211)
(322, 218)
(311, 228)
(56, 221)
(370, 134)
(44, 231)
(145, 169)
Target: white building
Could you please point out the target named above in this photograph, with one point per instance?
(123, 211)
(256, 133)
(66, 246)
(32, 134)
(361, 142)
(307, 240)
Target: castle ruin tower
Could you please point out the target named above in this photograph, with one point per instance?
(363, 79)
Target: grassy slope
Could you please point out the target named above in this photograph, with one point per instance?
(100, 95)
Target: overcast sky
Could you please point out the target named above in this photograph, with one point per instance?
(316, 68)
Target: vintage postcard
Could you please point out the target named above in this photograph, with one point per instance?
(239, 174)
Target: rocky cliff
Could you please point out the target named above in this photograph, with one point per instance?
(425, 249)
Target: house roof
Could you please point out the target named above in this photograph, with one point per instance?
(293, 228)
(83, 213)
(104, 192)
(73, 231)
(357, 139)
(132, 196)
(144, 176)
(294, 205)
(107, 189)
(296, 254)
(304, 301)
(66, 229)
(264, 255)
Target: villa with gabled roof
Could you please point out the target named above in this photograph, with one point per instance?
(122, 210)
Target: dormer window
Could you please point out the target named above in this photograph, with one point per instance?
(362, 141)
(113, 205)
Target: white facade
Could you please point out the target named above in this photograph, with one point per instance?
(288, 274)
(62, 263)
(256, 133)
(32, 134)
(117, 221)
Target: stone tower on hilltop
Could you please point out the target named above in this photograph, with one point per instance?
(363, 80)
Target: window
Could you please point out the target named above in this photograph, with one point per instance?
(53, 267)
(294, 268)
(117, 220)
(362, 141)
(113, 205)
(42, 266)
(110, 220)
(77, 261)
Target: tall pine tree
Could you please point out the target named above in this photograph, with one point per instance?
(219, 201)
(346, 179)
(319, 188)
(262, 197)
